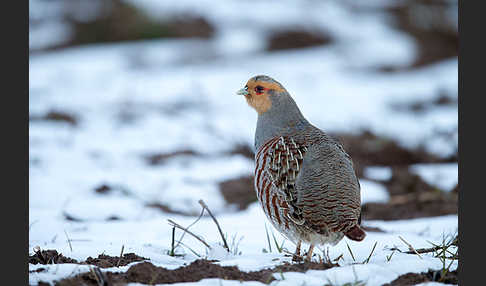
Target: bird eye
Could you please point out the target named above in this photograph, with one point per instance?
(259, 89)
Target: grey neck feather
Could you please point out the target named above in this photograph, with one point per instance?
(283, 117)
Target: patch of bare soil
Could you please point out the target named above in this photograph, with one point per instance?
(369, 149)
(408, 210)
(430, 24)
(103, 189)
(243, 149)
(303, 267)
(411, 197)
(41, 269)
(161, 158)
(49, 257)
(56, 116)
(297, 38)
(118, 21)
(166, 209)
(422, 106)
(430, 276)
(70, 217)
(239, 191)
(105, 261)
(147, 273)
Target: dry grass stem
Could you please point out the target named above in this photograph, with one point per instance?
(69, 241)
(171, 222)
(372, 250)
(410, 247)
(121, 255)
(182, 236)
(225, 244)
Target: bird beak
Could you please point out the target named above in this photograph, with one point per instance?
(243, 91)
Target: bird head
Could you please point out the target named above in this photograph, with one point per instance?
(261, 92)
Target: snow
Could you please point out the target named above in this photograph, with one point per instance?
(378, 173)
(373, 192)
(151, 238)
(161, 96)
(443, 176)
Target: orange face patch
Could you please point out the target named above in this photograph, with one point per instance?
(258, 96)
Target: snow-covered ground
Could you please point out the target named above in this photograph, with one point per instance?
(132, 100)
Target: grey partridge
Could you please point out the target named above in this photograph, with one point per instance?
(304, 180)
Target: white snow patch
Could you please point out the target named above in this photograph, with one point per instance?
(444, 176)
(378, 173)
(372, 192)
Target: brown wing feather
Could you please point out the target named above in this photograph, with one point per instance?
(286, 159)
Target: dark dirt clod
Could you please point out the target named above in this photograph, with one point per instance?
(430, 276)
(70, 217)
(49, 257)
(166, 209)
(41, 269)
(239, 191)
(56, 116)
(199, 269)
(243, 149)
(189, 26)
(161, 158)
(294, 39)
(404, 182)
(420, 106)
(103, 189)
(113, 218)
(303, 267)
(147, 273)
(105, 261)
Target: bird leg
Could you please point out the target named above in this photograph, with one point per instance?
(309, 253)
(296, 257)
(326, 255)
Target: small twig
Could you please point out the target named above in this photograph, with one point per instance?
(171, 222)
(172, 244)
(182, 236)
(410, 247)
(195, 253)
(201, 202)
(68, 240)
(121, 255)
(368, 259)
(388, 258)
(339, 257)
(349, 249)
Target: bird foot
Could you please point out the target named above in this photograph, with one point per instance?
(297, 258)
(308, 256)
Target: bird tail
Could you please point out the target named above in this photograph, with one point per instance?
(356, 233)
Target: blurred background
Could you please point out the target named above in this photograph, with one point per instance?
(133, 111)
